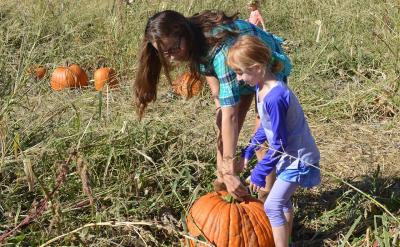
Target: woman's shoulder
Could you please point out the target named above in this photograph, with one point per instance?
(242, 24)
(237, 25)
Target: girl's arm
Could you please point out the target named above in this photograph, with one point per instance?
(261, 19)
(258, 139)
(277, 108)
(262, 23)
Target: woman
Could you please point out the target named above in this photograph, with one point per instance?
(203, 41)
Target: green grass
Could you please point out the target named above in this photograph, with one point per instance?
(150, 172)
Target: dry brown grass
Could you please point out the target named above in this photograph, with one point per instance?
(151, 171)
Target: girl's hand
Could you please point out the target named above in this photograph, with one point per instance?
(254, 188)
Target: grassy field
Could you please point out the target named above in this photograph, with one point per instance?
(88, 156)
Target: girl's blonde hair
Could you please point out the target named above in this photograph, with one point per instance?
(250, 50)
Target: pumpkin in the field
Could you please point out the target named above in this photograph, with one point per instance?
(68, 77)
(187, 85)
(63, 77)
(105, 76)
(81, 76)
(38, 72)
(225, 223)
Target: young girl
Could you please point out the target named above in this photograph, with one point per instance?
(292, 149)
(203, 41)
(255, 15)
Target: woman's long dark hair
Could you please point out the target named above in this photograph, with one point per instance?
(209, 19)
(171, 23)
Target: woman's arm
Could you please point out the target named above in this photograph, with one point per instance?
(227, 123)
(213, 83)
(230, 134)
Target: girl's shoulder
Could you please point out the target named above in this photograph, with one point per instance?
(278, 93)
(279, 89)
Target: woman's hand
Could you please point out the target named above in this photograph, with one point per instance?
(235, 187)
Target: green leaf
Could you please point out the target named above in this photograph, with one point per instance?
(351, 230)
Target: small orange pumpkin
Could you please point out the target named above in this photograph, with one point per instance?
(224, 223)
(103, 76)
(187, 85)
(63, 77)
(82, 78)
(37, 71)
(40, 72)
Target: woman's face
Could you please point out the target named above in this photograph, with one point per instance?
(173, 48)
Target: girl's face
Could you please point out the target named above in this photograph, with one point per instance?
(251, 75)
(173, 48)
(252, 7)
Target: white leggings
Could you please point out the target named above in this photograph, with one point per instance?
(279, 201)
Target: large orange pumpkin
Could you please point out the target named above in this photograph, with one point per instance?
(187, 85)
(68, 77)
(82, 78)
(225, 224)
(63, 77)
(103, 76)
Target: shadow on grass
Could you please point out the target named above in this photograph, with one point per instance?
(322, 218)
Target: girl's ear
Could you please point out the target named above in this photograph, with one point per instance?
(259, 68)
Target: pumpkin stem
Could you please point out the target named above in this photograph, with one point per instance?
(229, 198)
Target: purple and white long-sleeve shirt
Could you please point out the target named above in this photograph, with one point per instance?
(284, 126)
